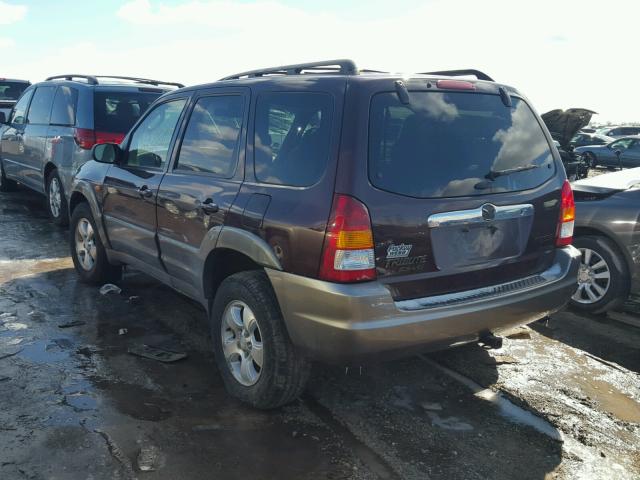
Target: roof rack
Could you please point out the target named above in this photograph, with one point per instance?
(342, 67)
(93, 79)
(462, 73)
(143, 80)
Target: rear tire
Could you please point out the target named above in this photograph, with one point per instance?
(603, 279)
(245, 315)
(88, 253)
(6, 185)
(56, 200)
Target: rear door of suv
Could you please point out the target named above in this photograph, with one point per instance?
(203, 181)
(461, 184)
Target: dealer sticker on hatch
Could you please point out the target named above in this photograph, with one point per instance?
(398, 251)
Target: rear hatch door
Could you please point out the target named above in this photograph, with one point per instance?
(463, 191)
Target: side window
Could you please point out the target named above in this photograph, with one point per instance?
(19, 115)
(40, 109)
(211, 139)
(150, 142)
(64, 106)
(292, 135)
(624, 143)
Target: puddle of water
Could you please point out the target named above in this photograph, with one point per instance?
(609, 398)
(507, 409)
(81, 402)
(13, 269)
(43, 351)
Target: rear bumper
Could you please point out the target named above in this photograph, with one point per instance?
(341, 322)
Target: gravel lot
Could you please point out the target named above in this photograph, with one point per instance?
(559, 400)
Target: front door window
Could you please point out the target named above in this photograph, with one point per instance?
(149, 146)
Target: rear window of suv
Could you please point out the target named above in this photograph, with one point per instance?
(450, 144)
(116, 112)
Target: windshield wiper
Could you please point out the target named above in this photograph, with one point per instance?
(493, 174)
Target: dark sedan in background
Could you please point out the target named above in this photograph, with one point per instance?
(623, 152)
(607, 232)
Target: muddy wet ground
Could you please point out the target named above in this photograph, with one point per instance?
(559, 400)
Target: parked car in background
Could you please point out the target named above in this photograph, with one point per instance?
(621, 153)
(10, 91)
(54, 124)
(563, 126)
(588, 130)
(608, 236)
(617, 132)
(318, 212)
(584, 139)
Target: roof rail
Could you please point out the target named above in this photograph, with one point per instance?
(462, 73)
(93, 79)
(142, 80)
(343, 67)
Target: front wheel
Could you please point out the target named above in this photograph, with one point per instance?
(88, 253)
(258, 363)
(603, 278)
(56, 201)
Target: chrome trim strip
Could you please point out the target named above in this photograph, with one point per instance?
(468, 217)
(553, 274)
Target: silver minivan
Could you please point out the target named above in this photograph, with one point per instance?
(52, 127)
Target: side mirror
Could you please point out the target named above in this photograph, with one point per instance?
(106, 153)
(618, 153)
(3, 118)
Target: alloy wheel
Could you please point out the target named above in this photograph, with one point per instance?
(55, 197)
(594, 278)
(242, 343)
(85, 244)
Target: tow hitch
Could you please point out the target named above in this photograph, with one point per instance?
(489, 340)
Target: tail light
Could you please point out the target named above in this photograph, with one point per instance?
(87, 138)
(567, 216)
(348, 245)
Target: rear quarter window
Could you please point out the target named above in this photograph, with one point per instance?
(449, 144)
(292, 137)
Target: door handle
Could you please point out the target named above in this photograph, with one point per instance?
(208, 207)
(145, 192)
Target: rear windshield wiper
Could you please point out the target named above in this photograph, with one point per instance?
(493, 174)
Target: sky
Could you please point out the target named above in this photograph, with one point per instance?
(559, 53)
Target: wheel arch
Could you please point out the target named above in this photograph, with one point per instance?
(83, 193)
(48, 168)
(582, 231)
(235, 251)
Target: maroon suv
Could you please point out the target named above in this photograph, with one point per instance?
(321, 212)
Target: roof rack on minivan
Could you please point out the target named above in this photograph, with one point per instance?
(462, 73)
(93, 79)
(342, 67)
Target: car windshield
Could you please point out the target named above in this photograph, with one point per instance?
(12, 90)
(116, 112)
(455, 144)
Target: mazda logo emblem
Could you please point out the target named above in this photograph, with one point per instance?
(488, 211)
